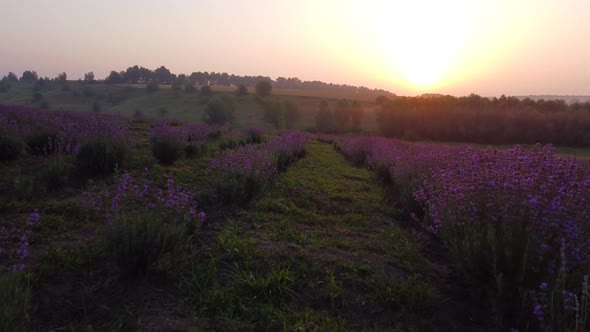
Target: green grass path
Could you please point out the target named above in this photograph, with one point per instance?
(319, 251)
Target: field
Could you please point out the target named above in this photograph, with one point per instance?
(110, 222)
(130, 100)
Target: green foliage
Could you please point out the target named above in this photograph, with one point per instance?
(11, 146)
(273, 113)
(37, 97)
(15, 301)
(44, 105)
(195, 150)
(137, 241)
(238, 188)
(324, 118)
(263, 88)
(206, 91)
(100, 156)
(214, 134)
(275, 288)
(4, 86)
(24, 187)
(96, 107)
(152, 87)
(29, 76)
(138, 114)
(162, 111)
(57, 173)
(189, 88)
(167, 150)
(242, 90)
(291, 113)
(87, 91)
(219, 110)
(254, 137)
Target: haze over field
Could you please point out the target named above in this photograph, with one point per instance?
(408, 47)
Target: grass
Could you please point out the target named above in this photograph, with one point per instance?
(15, 301)
(189, 107)
(306, 240)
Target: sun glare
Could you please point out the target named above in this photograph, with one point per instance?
(423, 40)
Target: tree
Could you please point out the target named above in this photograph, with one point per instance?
(291, 112)
(357, 115)
(324, 119)
(11, 77)
(114, 78)
(263, 88)
(89, 77)
(162, 75)
(179, 82)
(274, 113)
(152, 87)
(29, 76)
(206, 91)
(342, 115)
(189, 88)
(219, 110)
(62, 77)
(242, 90)
(4, 86)
(381, 100)
(96, 107)
(132, 75)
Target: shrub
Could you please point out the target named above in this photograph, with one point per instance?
(152, 87)
(4, 87)
(24, 187)
(235, 188)
(166, 150)
(194, 150)
(100, 156)
(57, 173)
(10, 147)
(189, 88)
(246, 171)
(206, 91)
(253, 136)
(263, 88)
(242, 90)
(42, 141)
(15, 300)
(214, 134)
(137, 241)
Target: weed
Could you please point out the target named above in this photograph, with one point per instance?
(100, 156)
(15, 300)
(10, 147)
(137, 241)
(167, 151)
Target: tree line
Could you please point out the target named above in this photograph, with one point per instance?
(162, 75)
(503, 120)
(344, 116)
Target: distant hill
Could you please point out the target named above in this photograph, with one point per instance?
(568, 99)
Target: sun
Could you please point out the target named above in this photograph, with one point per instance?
(423, 40)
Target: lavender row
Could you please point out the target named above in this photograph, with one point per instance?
(250, 168)
(519, 214)
(66, 129)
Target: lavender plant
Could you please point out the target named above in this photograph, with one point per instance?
(509, 216)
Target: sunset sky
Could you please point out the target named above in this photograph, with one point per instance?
(512, 47)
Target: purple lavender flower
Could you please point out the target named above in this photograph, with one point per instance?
(538, 312)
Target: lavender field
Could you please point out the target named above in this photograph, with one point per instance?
(113, 223)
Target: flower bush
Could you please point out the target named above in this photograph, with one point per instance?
(514, 218)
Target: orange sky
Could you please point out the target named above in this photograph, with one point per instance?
(407, 47)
